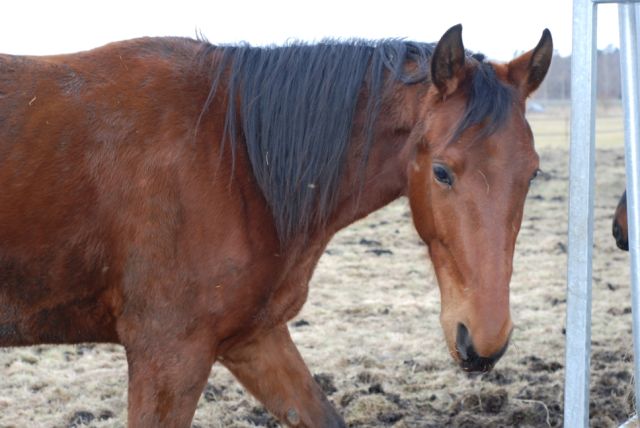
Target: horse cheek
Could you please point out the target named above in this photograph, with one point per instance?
(420, 201)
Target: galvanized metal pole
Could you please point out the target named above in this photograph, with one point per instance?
(581, 189)
(627, 14)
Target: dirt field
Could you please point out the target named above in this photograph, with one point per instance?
(370, 332)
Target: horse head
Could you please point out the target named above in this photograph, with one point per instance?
(468, 182)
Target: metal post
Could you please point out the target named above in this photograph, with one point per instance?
(627, 14)
(581, 190)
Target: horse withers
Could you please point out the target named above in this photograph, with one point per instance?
(175, 197)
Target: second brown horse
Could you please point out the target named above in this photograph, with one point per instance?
(620, 226)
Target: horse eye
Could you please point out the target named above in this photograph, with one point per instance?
(442, 174)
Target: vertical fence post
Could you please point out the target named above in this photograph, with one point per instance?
(581, 178)
(627, 14)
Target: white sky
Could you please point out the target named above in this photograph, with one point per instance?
(498, 28)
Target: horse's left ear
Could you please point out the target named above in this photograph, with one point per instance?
(528, 70)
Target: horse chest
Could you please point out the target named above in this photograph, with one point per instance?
(289, 295)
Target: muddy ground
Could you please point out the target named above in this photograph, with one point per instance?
(370, 333)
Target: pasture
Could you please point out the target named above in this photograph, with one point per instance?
(370, 331)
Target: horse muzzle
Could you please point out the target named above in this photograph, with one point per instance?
(620, 237)
(470, 361)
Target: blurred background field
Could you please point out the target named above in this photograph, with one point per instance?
(550, 121)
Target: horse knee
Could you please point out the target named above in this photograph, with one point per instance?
(271, 368)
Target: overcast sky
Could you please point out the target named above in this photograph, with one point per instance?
(497, 28)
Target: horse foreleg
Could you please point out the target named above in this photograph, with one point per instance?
(271, 368)
(166, 378)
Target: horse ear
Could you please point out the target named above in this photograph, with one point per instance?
(528, 70)
(447, 63)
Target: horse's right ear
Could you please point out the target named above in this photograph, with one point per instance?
(447, 63)
(529, 69)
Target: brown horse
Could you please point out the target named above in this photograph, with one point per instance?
(620, 227)
(175, 197)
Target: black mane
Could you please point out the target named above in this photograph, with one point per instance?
(296, 109)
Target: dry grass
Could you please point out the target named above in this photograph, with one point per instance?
(552, 127)
(373, 330)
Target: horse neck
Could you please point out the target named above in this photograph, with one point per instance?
(384, 177)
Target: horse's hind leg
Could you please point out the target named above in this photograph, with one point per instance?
(271, 368)
(166, 378)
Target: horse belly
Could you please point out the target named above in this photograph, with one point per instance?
(54, 298)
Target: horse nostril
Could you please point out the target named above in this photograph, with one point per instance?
(616, 230)
(471, 361)
(464, 344)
